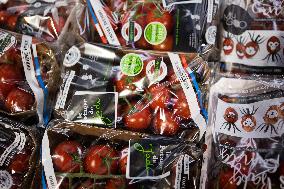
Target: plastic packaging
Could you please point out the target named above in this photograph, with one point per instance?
(251, 35)
(19, 154)
(80, 156)
(161, 93)
(42, 19)
(189, 27)
(245, 133)
(28, 74)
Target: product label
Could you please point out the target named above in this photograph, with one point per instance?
(259, 116)
(98, 108)
(168, 3)
(131, 64)
(72, 57)
(183, 172)
(155, 33)
(6, 180)
(210, 35)
(131, 31)
(6, 42)
(156, 70)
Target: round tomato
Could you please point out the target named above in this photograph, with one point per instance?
(166, 45)
(123, 161)
(163, 17)
(10, 73)
(116, 184)
(88, 184)
(20, 163)
(3, 17)
(181, 107)
(12, 22)
(138, 117)
(159, 96)
(101, 160)
(226, 180)
(67, 157)
(143, 44)
(165, 123)
(19, 100)
(5, 89)
(126, 83)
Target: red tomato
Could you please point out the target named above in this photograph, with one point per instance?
(181, 107)
(138, 117)
(165, 123)
(126, 83)
(118, 183)
(67, 157)
(5, 89)
(54, 26)
(163, 17)
(101, 160)
(166, 45)
(226, 180)
(123, 161)
(20, 163)
(160, 96)
(10, 73)
(12, 22)
(143, 44)
(88, 184)
(19, 100)
(3, 17)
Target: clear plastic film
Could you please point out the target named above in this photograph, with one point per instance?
(81, 156)
(245, 133)
(151, 92)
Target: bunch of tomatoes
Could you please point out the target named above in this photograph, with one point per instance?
(104, 163)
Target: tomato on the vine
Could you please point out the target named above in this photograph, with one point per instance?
(20, 163)
(12, 22)
(3, 17)
(138, 117)
(166, 45)
(101, 160)
(118, 183)
(161, 16)
(10, 73)
(165, 123)
(159, 96)
(87, 184)
(19, 100)
(67, 157)
(126, 83)
(226, 180)
(181, 107)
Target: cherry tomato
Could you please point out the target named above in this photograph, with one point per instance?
(101, 160)
(20, 163)
(3, 17)
(118, 183)
(159, 95)
(67, 157)
(126, 83)
(88, 184)
(5, 89)
(138, 117)
(166, 45)
(12, 22)
(19, 100)
(10, 73)
(226, 180)
(143, 44)
(161, 16)
(181, 107)
(165, 123)
(56, 26)
(123, 161)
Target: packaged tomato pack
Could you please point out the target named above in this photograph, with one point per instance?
(181, 27)
(251, 35)
(245, 133)
(28, 74)
(152, 92)
(42, 19)
(19, 154)
(80, 156)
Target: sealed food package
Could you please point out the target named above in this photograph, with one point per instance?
(251, 35)
(18, 154)
(153, 92)
(43, 19)
(245, 134)
(81, 156)
(28, 74)
(179, 27)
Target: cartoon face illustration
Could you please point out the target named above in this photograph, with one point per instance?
(231, 115)
(271, 116)
(248, 123)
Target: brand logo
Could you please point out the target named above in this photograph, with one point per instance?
(271, 8)
(148, 155)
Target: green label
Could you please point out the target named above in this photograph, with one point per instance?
(155, 33)
(131, 64)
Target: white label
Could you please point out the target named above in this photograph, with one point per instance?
(169, 3)
(210, 35)
(47, 163)
(125, 29)
(72, 57)
(210, 11)
(151, 72)
(62, 96)
(262, 119)
(30, 74)
(189, 92)
(178, 172)
(105, 23)
(6, 180)
(254, 48)
(6, 42)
